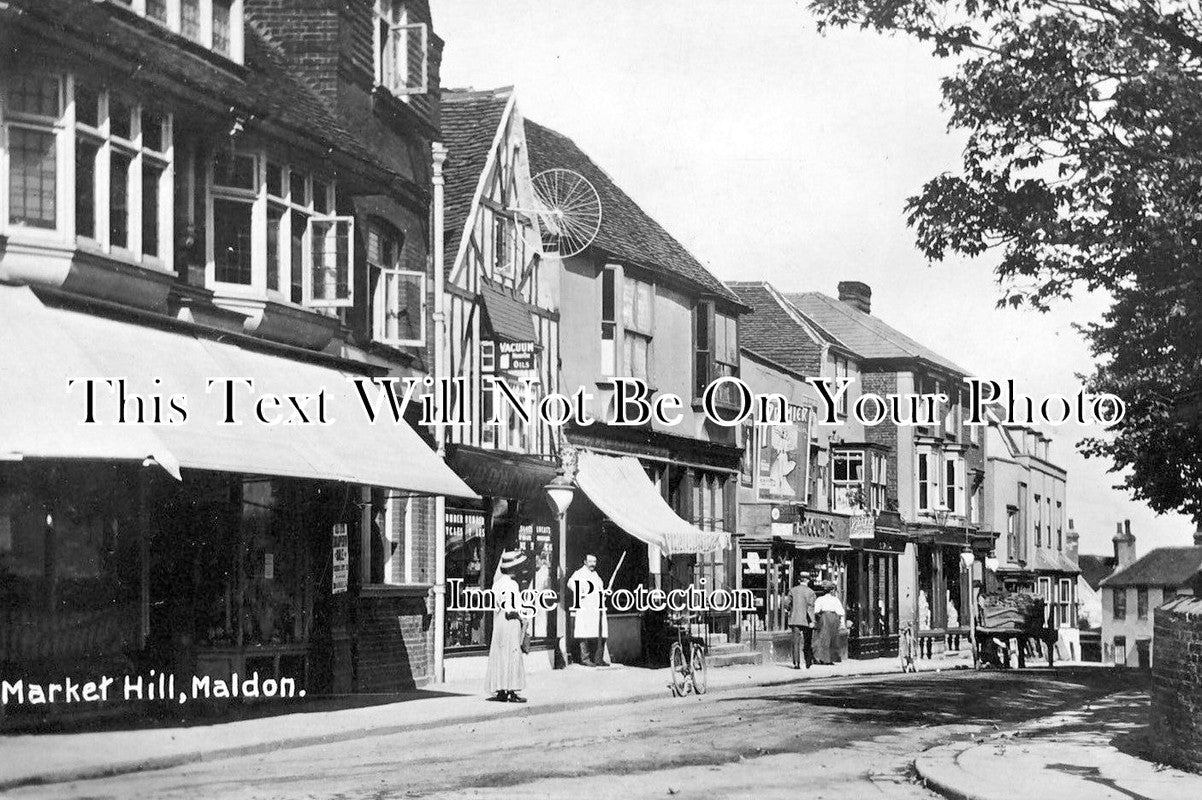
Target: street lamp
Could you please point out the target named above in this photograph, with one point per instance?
(560, 493)
(969, 559)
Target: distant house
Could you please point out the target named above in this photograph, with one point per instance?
(1135, 589)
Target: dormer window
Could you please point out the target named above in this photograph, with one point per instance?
(401, 50)
(215, 24)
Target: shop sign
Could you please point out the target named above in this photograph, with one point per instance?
(502, 356)
(342, 558)
(783, 458)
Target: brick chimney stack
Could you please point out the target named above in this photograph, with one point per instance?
(1072, 541)
(857, 295)
(1124, 544)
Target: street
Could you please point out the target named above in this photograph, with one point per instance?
(840, 737)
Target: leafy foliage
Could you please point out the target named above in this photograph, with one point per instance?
(1083, 170)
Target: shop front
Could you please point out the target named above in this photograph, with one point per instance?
(944, 584)
(511, 514)
(872, 593)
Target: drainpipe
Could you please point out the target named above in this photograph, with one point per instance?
(438, 154)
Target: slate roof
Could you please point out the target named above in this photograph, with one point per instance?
(627, 232)
(266, 87)
(867, 336)
(507, 317)
(777, 330)
(1164, 566)
(469, 124)
(1054, 561)
(1095, 568)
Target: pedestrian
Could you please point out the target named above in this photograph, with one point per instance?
(829, 613)
(799, 605)
(590, 625)
(506, 675)
(907, 649)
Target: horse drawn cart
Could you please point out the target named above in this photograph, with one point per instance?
(1016, 617)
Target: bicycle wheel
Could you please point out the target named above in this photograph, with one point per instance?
(698, 667)
(680, 670)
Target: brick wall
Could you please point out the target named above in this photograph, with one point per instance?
(392, 651)
(1177, 682)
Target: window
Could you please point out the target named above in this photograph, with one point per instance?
(747, 464)
(928, 480)
(715, 351)
(1038, 522)
(119, 200)
(1120, 650)
(847, 480)
(1141, 602)
(215, 24)
(1023, 516)
(974, 503)
(637, 299)
(953, 484)
(398, 302)
(842, 370)
(609, 325)
(392, 530)
(880, 475)
(273, 230)
(951, 419)
(1118, 599)
(401, 50)
(1066, 603)
(1059, 525)
(1012, 534)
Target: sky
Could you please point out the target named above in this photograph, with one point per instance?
(775, 153)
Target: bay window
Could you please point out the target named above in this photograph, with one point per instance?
(398, 301)
(214, 24)
(715, 351)
(847, 480)
(86, 165)
(274, 230)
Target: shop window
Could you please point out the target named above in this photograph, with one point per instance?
(214, 24)
(395, 532)
(399, 299)
(1141, 602)
(847, 480)
(401, 50)
(716, 351)
(120, 199)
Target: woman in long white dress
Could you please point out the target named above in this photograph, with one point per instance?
(829, 613)
(506, 674)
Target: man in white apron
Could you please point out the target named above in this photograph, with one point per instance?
(589, 623)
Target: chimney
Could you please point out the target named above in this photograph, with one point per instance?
(1072, 540)
(857, 295)
(1124, 545)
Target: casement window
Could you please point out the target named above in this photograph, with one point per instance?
(218, 25)
(274, 230)
(1012, 553)
(953, 484)
(637, 301)
(1038, 521)
(928, 480)
(87, 165)
(1141, 602)
(880, 480)
(715, 351)
(1118, 600)
(399, 296)
(401, 50)
(847, 480)
(842, 370)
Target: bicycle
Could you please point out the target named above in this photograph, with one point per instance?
(687, 659)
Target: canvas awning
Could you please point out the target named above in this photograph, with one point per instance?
(44, 345)
(623, 492)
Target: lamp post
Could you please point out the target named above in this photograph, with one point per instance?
(969, 559)
(560, 493)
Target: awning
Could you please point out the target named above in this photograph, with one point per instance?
(624, 493)
(506, 317)
(43, 421)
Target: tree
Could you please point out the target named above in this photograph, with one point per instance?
(1083, 170)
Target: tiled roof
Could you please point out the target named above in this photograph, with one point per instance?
(469, 125)
(1164, 566)
(866, 335)
(1095, 568)
(507, 317)
(776, 330)
(627, 232)
(1054, 561)
(267, 88)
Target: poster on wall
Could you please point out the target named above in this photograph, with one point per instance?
(342, 558)
(782, 461)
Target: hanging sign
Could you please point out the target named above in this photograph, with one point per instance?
(502, 356)
(342, 558)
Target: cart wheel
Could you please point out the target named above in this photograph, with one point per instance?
(698, 667)
(680, 671)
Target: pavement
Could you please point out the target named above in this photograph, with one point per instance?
(31, 759)
(1096, 751)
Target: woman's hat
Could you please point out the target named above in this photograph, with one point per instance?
(512, 559)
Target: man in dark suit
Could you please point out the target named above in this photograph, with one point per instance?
(799, 605)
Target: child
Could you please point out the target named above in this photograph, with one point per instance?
(906, 648)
